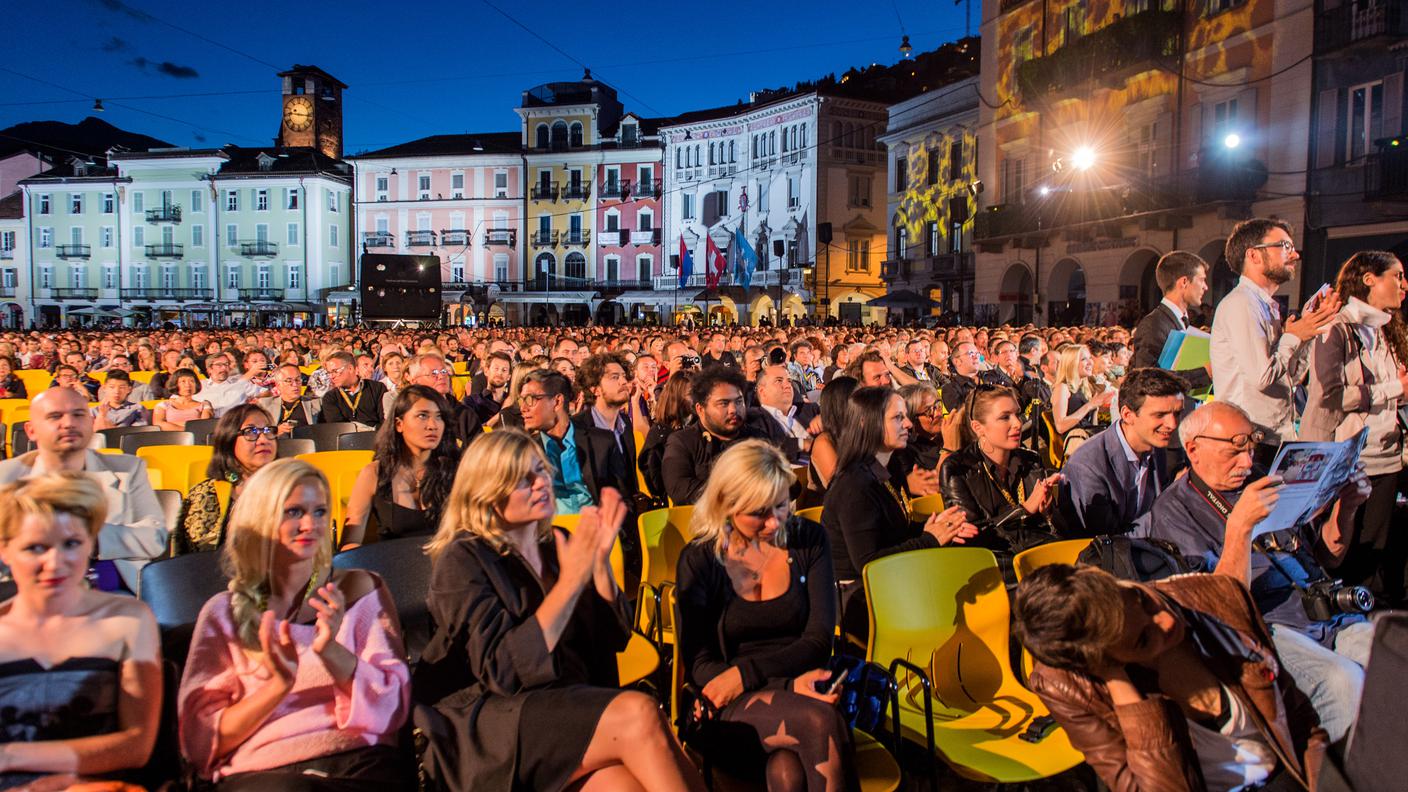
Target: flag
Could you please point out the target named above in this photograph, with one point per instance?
(717, 266)
(686, 263)
(747, 261)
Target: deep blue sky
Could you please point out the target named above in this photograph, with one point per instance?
(422, 68)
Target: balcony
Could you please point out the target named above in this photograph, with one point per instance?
(260, 248)
(894, 268)
(577, 191)
(613, 237)
(455, 237)
(501, 237)
(578, 238)
(420, 239)
(764, 279)
(545, 238)
(1357, 23)
(6, 254)
(647, 189)
(378, 239)
(261, 295)
(616, 286)
(174, 294)
(170, 250)
(546, 282)
(1386, 175)
(649, 236)
(544, 191)
(167, 213)
(454, 286)
(74, 294)
(1109, 55)
(7, 292)
(74, 251)
(616, 191)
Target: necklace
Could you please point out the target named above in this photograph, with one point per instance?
(297, 605)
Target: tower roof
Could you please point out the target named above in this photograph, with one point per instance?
(301, 70)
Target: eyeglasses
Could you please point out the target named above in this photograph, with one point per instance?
(440, 372)
(253, 433)
(530, 399)
(1287, 246)
(1241, 442)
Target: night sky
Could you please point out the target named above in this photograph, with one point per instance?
(202, 74)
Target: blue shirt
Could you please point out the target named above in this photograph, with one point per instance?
(568, 489)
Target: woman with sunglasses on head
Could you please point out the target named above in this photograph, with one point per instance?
(1000, 486)
(243, 441)
(404, 488)
(296, 678)
(757, 616)
(1358, 381)
(519, 681)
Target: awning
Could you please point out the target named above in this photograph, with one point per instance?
(548, 297)
(642, 297)
(903, 299)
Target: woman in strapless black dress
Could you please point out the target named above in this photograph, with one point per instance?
(80, 670)
(405, 487)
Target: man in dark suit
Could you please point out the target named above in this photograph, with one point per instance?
(916, 362)
(351, 398)
(964, 363)
(788, 424)
(606, 381)
(1115, 477)
(584, 459)
(1183, 277)
(288, 406)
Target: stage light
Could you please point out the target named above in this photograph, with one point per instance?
(1233, 140)
(1083, 158)
(1044, 190)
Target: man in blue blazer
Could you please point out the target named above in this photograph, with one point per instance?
(1115, 477)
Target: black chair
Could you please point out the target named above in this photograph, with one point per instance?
(324, 435)
(356, 441)
(130, 443)
(293, 446)
(170, 501)
(405, 569)
(114, 436)
(19, 441)
(176, 589)
(202, 428)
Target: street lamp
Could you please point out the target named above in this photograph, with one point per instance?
(1083, 158)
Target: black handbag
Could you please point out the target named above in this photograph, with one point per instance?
(865, 693)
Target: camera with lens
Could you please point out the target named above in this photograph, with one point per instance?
(777, 357)
(1325, 599)
(689, 362)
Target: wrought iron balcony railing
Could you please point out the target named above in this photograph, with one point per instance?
(545, 238)
(261, 295)
(647, 189)
(166, 250)
(650, 236)
(378, 239)
(160, 293)
(420, 239)
(74, 251)
(577, 191)
(458, 237)
(259, 248)
(505, 237)
(1352, 23)
(167, 213)
(79, 293)
(580, 238)
(616, 191)
(544, 191)
(1109, 54)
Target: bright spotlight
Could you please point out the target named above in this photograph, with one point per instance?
(1233, 140)
(1044, 190)
(1083, 158)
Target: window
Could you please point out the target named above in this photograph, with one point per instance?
(383, 225)
(647, 179)
(645, 220)
(109, 277)
(381, 187)
(263, 278)
(46, 277)
(934, 239)
(334, 201)
(540, 136)
(1013, 179)
(1147, 158)
(261, 232)
(75, 203)
(7, 240)
(613, 269)
(168, 237)
(1218, 6)
(901, 242)
(198, 277)
(679, 158)
(232, 200)
(932, 171)
(332, 236)
(575, 136)
(1224, 121)
(423, 222)
(138, 236)
(613, 180)
(75, 235)
(457, 270)
(110, 202)
(733, 151)
(501, 184)
(859, 190)
(105, 237)
(232, 235)
(168, 277)
(137, 202)
(78, 276)
(44, 207)
(232, 277)
(501, 266)
(46, 237)
(613, 222)
(576, 266)
(687, 206)
(1366, 118)
(423, 186)
(901, 173)
(628, 134)
(261, 200)
(291, 198)
(292, 234)
(457, 184)
(794, 193)
(1073, 22)
(139, 277)
(644, 265)
(197, 236)
(858, 255)
(197, 201)
(955, 160)
(8, 278)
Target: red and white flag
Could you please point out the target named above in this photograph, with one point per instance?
(717, 264)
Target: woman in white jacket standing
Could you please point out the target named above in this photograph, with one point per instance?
(1357, 381)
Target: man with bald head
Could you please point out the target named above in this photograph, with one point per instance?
(60, 428)
(1199, 513)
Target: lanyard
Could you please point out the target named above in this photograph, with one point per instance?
(1268, 544)
(1021, 487)
(894, 493)
(286, 412)
(352, 404)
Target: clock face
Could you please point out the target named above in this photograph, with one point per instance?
(298, 113)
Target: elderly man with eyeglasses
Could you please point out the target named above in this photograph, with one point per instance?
(351, 398)
(289, 406)
(1325, 655)
(1258, 357)
(433, 371)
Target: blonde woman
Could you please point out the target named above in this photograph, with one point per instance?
(80, 670)
(1075, 404)
(296, 677)
(757, 615)
(520, 675)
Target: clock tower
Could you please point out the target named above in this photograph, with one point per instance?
(312, 110)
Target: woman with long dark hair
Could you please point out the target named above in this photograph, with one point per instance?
(866, 515)
(673, 410)
(406, 485)
(835, 401)
(1358, 381)
(243, 442)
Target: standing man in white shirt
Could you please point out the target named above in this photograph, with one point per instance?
(222, 390)
(1258, 357)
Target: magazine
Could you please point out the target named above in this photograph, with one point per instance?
(1311, 476)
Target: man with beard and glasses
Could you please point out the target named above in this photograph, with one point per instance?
(1258, 357)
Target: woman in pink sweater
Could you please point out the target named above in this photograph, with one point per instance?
(296, 678)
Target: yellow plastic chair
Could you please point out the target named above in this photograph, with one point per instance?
(921, 508)
(1056, 445)
(939, 620)
(100, 376)
(151, 404)
(1064, 552)
(459, 383)
(639, 659)
(182, 467)
(36, 381)
(813, 514)
(141, 376)
(341, 468)
(663, 535)
(640, 477)
(460, 366)
(310, 368)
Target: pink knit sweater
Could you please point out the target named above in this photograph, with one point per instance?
(317, 717)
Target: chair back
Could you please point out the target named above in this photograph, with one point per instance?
(170, 501)
(114, 436)
(294, 446)
(813, 514)
(325, 435)
(341, 468)
(19, 439)
(1055, 444)
(568, 523)
(176, 589)
(921, 508)
(144, 377)
(131, 442)
(944, 610)
(35, 381)
(1064, 552)
(181, 466)
(202, 429)
(356, 441)
(663, 536)
(8, 408)
(405, 569)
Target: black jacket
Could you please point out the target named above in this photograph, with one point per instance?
(336, 405)
(955, 390)
(689, 456)
(601, 462)
(627, 447)
(651, 457)
(968, 479)
(777, 434)
(1149, 338)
